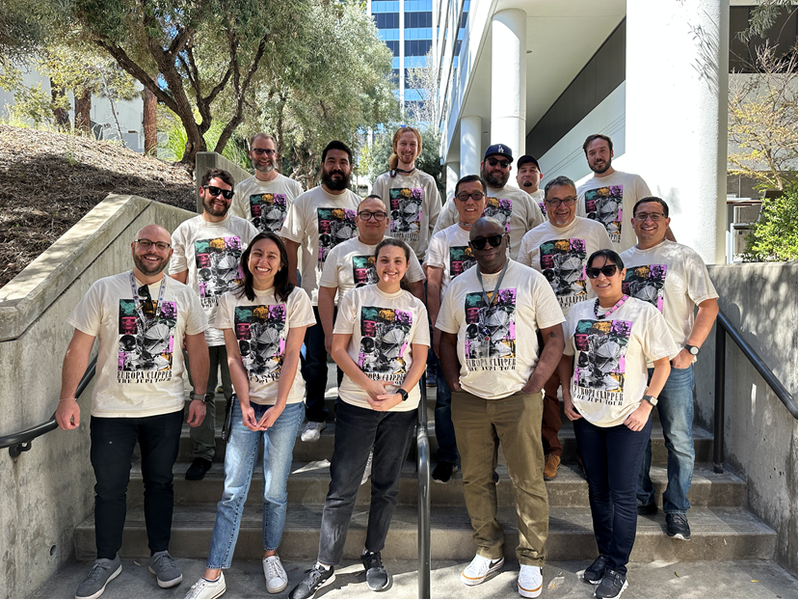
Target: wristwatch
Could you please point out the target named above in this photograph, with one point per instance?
(202, 397)
(651, 399)
(403, 394)
(692, 350)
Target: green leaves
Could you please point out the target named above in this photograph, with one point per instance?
(774, 236)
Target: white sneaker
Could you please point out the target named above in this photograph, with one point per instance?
(208, 589)
(275, 574)
(531, 581)
(312, 431)
(368, 470)
(479, 569)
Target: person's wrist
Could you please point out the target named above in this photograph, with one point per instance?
(67, 400)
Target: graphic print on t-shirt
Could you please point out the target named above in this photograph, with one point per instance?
(384, 337)
(406, 213)
(363, 270)
(218, 267)
(490, 343)
(647, 283)
(599, 368)
(605, 205)
(563, 264)
(146, 346)
(501, 209)
(268, 211)
(460, 259)
(261, 333)
(336, 225)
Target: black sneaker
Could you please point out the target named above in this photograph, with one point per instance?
(596, 571)
(647, 509)
(677, 526)
(199, 467)
(611, 586)
(443, 471)
(103, 571)
(376, 577)
(314, 578)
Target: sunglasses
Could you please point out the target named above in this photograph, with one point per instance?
(215, 191)
(607, 271)
(480, 243)
(261, 151)
(476, 196)
(502, 163)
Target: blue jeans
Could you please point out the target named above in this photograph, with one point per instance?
(445, 430)
(242, 452)
(314, 370)
(358, 430)
(612, 459)
(676, 411)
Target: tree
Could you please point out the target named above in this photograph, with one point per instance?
(774, 236)
(763, 16)
(425, 81)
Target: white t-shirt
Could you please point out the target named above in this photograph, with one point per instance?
(498, 346)
(561, 255)
(318, 221)
(673, 278)
(450, 251)
(352, 264)
(261, 327)
(139, 361)
(610, 374)
(211, 253)
(265, 203)
(538, 196)
(413, 204)
(383, 328)
(515, 209)
(610, 200)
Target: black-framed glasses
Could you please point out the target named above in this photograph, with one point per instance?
(378, 216)
(147, 244)
(480, 243)
(642, 216)
(262, 151)
(502, 163)
(606, 270)
(476, 196)
(564, 201)
(215, 191)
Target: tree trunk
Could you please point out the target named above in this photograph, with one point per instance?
(150, 123)
(83, 109)
(61, 114)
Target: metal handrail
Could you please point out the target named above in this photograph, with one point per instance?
(423, 466)
(20, 442)
(724, 327)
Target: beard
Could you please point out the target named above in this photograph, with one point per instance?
(600, 169)
(495, 182)
(335, 185)
(527, 183)
(208, 205)
(149, 271)
(265, 168)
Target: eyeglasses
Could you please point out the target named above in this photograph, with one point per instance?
(261, 151)
(365, 215)
(476, 196)
(480, 243)
(644, 216)
(607, 271)
(215, 191)
(147, 244)
(502, 163)
(564, 201)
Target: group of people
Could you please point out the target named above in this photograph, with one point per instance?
(595, 298)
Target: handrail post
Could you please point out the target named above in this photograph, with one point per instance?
(718, 410)
(423, 533)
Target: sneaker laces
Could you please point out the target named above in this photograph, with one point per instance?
(164, 562)
(679, 519)
(273, 569)
(372, 560)
(96, 572)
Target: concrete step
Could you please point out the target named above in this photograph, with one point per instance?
(722, 533)
(309, 482)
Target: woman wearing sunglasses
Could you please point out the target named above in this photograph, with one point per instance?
(609, 341)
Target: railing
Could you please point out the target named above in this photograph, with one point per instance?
(724, 328)
(423, 466)
(20, 442)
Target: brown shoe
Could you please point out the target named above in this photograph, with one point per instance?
(551, 467)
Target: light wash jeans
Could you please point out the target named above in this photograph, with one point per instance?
(240, 457)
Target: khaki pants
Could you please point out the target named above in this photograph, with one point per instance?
(515, 422)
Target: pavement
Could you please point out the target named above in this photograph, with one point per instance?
(694, 579)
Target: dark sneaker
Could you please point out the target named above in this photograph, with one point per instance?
(677, 526)
(611, 586)
(376, 577)
(166, 571)
(596, 571)
(103, 571)
(199, 467)
(443, 471)
(314, 578)
(647, 509)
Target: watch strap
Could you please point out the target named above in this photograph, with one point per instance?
(403, 394)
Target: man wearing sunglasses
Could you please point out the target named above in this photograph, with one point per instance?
(559, 249)
(516, 210)
(674, 279)
(206, 253)
(265, 198)
(496, 368)
(142, 318)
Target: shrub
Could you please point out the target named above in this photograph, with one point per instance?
(774, 235)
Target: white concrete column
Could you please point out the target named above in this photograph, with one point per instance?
(471, 153)
(676, 116)
(453, 174)
(509, 79)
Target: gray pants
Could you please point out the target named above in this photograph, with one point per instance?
(204, 436)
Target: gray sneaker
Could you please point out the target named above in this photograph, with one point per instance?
(166, 571)
(103, 571)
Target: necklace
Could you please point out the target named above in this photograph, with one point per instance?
(403, 171)
(466, 226)
(613, 309)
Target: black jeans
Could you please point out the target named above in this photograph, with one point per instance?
(113, 440)
(357, 431)
(314, 370)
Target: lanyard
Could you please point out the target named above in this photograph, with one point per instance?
(490, 301)
(615, 307)
(138, 304)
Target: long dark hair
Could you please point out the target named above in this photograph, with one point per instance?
(283, 287)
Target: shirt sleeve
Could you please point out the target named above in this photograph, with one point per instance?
(251, 232)
(178, 262)
(697, 279)
(239, 207)
(641, 188)
(415, 272)
(434, 205)
(435, 253)
(421, 332)
(87, 316)
(656, 340)
(446, 317)
(196, 321)
(329, 277)
(547, 309)
(568, 332)
(345, 319)
(300, 309)
(602, 239)
(535, 216)
(293, 228)
(448, 216)
(381, 189)
(224, 312)
(525, 257)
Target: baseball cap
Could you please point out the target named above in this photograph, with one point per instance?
(501, 149)
(527, 158)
